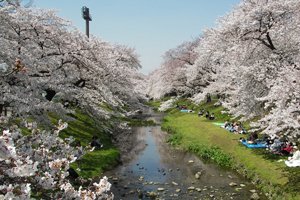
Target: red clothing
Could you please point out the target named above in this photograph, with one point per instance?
(288, 148)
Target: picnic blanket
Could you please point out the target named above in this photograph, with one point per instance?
(255, 145)
(219, 123)
(186, 111)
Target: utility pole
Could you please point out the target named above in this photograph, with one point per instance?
(87, 17)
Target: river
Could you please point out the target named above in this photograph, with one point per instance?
(156, 170)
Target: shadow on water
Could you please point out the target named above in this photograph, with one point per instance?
(156, 170)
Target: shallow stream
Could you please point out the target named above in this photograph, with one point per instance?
(155, 170)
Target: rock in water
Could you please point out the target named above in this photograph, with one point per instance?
(174, 183)
(254, 196)
(191, 188)
(232, 184)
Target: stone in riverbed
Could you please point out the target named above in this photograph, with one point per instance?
(253, 191)
(254, 196)
(178, 190)
(152, 194)
(191, 161)
(191, 188)
(232, 184)
(198, 175)
(198, 189)
(174, 183)
(160, 189)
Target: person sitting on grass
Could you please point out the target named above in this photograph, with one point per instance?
(225, 125)
(241, 129)
(287, 149)
(268, 141)
(207, 114)
(230, 127)
(294, 161)
(276, 146)
(212, 116)
(96, 143)
(201, 112)
(252, 138)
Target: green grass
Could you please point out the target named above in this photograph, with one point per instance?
(83, 128)
(92, 164)
(155, 104)
(199, 135)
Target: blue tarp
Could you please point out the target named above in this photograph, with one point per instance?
(186, 111)
(252, 146)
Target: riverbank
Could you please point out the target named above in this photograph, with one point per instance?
(201, 136)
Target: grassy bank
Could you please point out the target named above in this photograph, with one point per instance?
(201, 136)
(83, 128)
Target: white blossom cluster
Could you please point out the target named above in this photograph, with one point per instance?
(40, 162)
(167, 105)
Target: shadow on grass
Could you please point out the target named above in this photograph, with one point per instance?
(292, 173)
(269, 155)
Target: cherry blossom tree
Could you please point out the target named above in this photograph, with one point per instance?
(173, 71)
(61, 63)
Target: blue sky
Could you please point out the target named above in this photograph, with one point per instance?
(150, 26)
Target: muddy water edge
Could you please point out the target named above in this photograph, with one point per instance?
(155, 170)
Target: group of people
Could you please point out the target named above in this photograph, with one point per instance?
(285, 148)
(184, 108)
(206, 114)
(278, 146)
(234, 127)
(181, 107)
